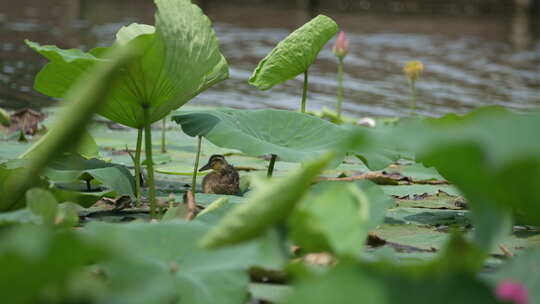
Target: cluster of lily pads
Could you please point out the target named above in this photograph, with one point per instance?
(491, 155)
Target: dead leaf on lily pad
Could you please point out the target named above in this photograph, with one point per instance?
(440, 200)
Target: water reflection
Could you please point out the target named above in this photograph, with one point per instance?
(470, 61)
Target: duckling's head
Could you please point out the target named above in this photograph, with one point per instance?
(216, 162)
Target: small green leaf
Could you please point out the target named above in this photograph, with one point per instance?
(337, 217)
(218, 203)
(70, 170)
(67, 215)
(295, 54)
(42, 203)
(329, 221)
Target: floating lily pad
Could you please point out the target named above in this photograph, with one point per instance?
(423, 216)
(418, 189)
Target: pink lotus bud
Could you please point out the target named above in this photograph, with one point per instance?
(512, 291)
(341, 48)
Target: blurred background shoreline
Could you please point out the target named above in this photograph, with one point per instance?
(476, 53)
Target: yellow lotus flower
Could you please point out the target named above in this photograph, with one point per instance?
(413, 70)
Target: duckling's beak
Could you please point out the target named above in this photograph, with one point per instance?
(205, 167)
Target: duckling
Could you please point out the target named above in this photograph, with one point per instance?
(223, 180)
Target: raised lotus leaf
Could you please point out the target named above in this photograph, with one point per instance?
(295, 54)
(292, 136)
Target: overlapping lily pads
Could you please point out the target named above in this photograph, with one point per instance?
(492, 156)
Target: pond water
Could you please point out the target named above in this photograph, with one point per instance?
(469, 61)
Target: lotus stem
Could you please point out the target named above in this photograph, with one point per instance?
(304, 94)
(340, 89)
(194, 178)
(137, 165)
(149, 160)
(271, 165)
(163, 131)
(412, 84)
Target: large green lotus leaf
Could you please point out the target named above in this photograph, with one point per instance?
(355, 283)
(449, 278)
(85, 98)
(295, 54)
(269, 205)
(291, 135)
(54, 258)
(63, 69)
(167, 253)
(492, 156)
(179, 58)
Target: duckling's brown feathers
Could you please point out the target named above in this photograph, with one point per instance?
(225, 181)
